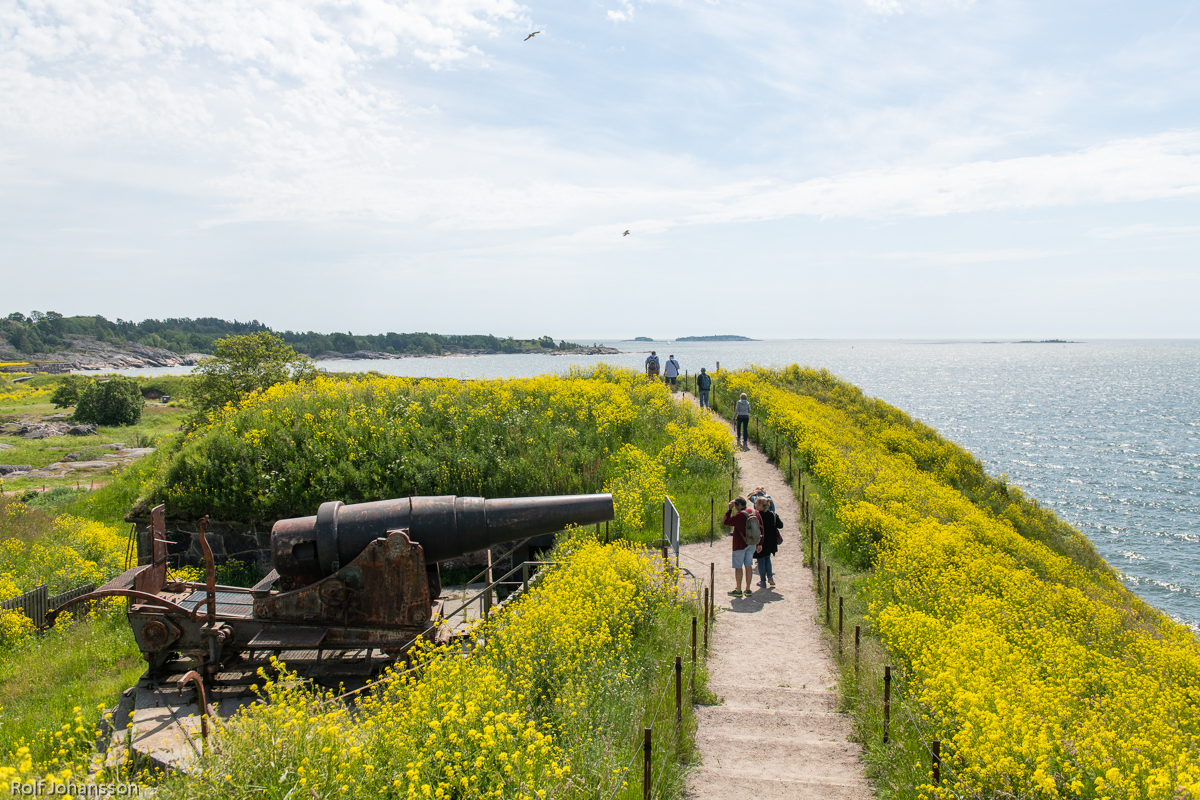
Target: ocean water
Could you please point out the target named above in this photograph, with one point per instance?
(1106, 433)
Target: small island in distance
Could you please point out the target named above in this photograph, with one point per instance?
(1047, 341)
(640, 339)
(729, 337)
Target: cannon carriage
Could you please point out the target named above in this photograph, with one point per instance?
(360, 579)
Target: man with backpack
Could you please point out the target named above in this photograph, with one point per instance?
(747, 539)
(671, 372)
(652, 365)
(703, 384)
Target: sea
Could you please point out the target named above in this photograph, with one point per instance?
(1107, 433)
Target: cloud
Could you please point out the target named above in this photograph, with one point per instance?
(1144, 229)
(936, 258)
(1126, 170)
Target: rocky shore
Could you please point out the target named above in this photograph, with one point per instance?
(87, 353)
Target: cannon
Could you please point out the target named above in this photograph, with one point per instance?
(359, 578)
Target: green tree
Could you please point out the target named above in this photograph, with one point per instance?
(67, 392)
(116, 401)
(242, 364)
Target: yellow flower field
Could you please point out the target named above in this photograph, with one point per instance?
(548, 705)
(1021, 652)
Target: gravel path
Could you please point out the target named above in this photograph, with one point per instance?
(777, 735)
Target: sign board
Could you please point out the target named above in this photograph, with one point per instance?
(671, 525)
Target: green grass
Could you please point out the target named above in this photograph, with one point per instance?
(84, 665)
(33, 404)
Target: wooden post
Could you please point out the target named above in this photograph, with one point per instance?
(789, 462)
(712, 520)
(646, 745)
(678, 692)
(936, 751)
(693, 642)
(887, 701)
(839, 627)
(706, 591)
(828, 572)
(606, 531)
(712, 579)
(855, 652)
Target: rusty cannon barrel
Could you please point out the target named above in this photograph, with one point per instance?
(445, 527)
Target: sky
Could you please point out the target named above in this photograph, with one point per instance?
(841, 169)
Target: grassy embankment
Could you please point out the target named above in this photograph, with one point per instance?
(1012, 643)
(284, 451)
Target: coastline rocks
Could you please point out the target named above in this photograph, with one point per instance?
(358, 355)
(587, 351)
(13, 469)
(88, 353)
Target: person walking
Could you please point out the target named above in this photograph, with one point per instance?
(671, 372)
(747, 537)
(652, 365)
(771, 539)
(703, 384)
(742, 415)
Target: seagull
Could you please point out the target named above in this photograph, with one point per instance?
(530, 36)
(626, 233)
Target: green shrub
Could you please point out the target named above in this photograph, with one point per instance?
(68, 390)
(116, 401)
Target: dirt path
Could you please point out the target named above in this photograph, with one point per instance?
(777, 735)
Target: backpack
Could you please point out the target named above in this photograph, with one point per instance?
(703, 382)
(753, 534)
(652, 363)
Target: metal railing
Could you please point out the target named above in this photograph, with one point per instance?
(485, 594)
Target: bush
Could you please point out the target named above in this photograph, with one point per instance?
(116, 401)
(68, 390)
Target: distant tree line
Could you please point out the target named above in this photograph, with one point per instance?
(49, 332)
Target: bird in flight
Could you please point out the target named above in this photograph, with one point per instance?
(626, 233)
(530, 36)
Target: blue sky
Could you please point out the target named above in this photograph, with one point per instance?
(868, 168)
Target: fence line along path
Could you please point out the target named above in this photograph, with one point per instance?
(777, 734)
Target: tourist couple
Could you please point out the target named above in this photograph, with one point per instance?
(755, 536)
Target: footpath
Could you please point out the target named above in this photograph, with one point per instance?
(777, 734)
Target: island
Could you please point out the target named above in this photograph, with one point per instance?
(640, 339)
(723, 338)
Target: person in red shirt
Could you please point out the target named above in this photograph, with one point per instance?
(743, 555)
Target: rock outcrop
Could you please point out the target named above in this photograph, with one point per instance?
(88, 353)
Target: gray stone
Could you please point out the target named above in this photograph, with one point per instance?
(10, 469)
(82, 430)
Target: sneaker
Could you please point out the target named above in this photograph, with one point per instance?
(749, 592)
(762, 584)
(771, 583)
(736, 593)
